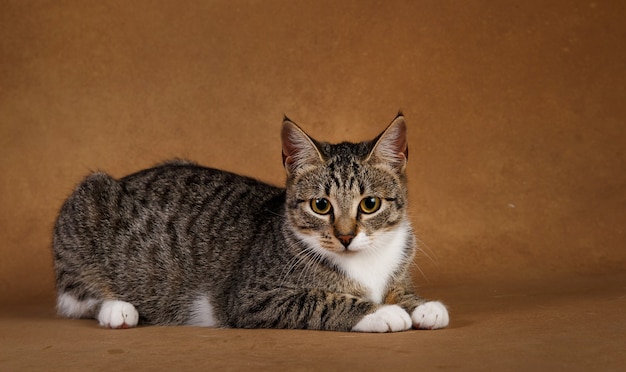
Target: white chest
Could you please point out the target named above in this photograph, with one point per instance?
(376, 261)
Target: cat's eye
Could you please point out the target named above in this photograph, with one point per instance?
(369, 204)
(321, 206)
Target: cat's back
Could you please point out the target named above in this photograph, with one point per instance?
(182, 183)
(179, 194)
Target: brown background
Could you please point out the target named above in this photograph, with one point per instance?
(516, 115)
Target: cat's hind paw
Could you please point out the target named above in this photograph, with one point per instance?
(430, 315)
(388, 318)
(118, 314)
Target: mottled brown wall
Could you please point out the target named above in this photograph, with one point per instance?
(516, 112)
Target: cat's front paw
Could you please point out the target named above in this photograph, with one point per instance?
(388, 318)
(118, 314)
(430, 315)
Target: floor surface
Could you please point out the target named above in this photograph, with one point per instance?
(566, 324)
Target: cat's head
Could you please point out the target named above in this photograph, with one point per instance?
(349, 197)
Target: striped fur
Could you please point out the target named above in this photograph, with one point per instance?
(185, 244)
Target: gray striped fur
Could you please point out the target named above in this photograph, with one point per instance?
(164, 236)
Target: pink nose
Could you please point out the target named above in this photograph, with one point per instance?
(345, 239)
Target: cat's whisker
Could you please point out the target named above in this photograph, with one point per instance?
(291, 264)
(424, 249)
(274, 213)
(299, 257)
(309, 267)
(308, 262)
(420, 270)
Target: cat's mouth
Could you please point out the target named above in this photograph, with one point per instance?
(347, 250)
(340, 249)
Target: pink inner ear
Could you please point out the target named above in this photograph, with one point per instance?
(401, 145)
(400, 142)
(298, 148)
(392, 146)
(288, 147)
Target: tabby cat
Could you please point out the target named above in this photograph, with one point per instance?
(184, 244)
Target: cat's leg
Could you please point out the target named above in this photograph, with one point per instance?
(425, 314)
(71, 307)
(430, 315)
(118, 314)
(388, 318)
(311, 309)
(112, 314)
(202, 313)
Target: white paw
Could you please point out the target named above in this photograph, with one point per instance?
(118, 314)
(388, 318)
(430, 315)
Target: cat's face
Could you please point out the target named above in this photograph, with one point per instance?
(347, 198)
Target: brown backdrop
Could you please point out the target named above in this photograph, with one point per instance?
(517, 164)
(516, 115)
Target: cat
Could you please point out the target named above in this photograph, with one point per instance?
(181, 244)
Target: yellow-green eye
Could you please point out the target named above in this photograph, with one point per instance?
(369, 204)
(321, 206)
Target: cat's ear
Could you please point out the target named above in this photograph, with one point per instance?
(299, 150)
(391, 146)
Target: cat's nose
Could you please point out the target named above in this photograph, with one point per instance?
(345, 239)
